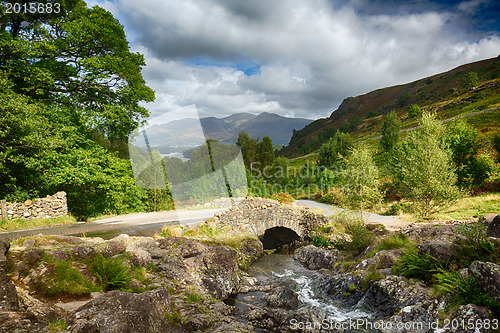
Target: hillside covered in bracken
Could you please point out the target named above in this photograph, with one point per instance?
(464, 90)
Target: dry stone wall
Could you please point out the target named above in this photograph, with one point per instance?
(51, 206)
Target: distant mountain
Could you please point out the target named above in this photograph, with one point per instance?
(187, 132)
(444, 93)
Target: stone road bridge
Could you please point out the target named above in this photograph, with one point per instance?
(274, 223)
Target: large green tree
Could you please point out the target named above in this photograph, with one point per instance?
(390, 132)
(248, 148)
(43, 151)
(265, 152)
(338, 146)
(68, 79)
(79, 59)
(424, 171)
(361, 184)
(471, 167)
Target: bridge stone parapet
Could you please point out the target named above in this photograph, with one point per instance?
(256, 215)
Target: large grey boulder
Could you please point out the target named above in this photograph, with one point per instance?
(316, 258)
(487, 275)
(182, 247)
(219, 271)
(494, 227)
(212, 269)
(282, 297)
(444, 252)
(32, 255)
(122, 312)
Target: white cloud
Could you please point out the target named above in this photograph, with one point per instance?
(311, 53)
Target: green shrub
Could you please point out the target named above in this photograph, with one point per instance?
(413, 265)
(111, 273)
(371, 275)
(174, 318)
(193, 297)
(321, 241)
(475, 246)
(360, 236)
(414, 111)
(57, 326)
(464, 290)
(396, 241)
(64, 279)
(398, 208)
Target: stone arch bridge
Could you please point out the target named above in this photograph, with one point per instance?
(274, 223)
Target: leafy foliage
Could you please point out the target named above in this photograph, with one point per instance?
(45, 151)
(470, 166)
(63, 278)
(414, 111)
(111, 273)
(321, 241)
(80, 59)
(360, 236)
(361, 187)
(475, 246)
(331, 152)
(70, 92)
(423, 167)
(390, 132)
(464, 290)
(413, 265)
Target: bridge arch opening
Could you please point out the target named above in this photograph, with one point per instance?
(278, 238)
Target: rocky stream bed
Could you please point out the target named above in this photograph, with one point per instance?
(182, 284)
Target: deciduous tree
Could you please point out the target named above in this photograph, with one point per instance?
(390, 132)
(424, 170)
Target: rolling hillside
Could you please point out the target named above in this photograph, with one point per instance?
(447, 94)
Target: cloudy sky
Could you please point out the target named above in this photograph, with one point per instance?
(298, 58)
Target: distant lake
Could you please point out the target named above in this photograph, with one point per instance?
(178, 155)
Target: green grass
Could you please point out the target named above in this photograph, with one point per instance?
(193, 297)
(396, 241)
(173, 318)
(21, 224)
(112, 273)
(321, 241)
(371, 275)
(63, 278)
(57, 326)
(470, 207)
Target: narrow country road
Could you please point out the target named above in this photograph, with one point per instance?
(147, 224)
(390, 222)
(137, 224)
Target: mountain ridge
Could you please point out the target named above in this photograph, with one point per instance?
(443, 93)
(187, 132)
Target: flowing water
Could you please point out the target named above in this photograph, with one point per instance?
(305, 283)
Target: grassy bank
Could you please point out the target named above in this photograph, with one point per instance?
(20, 224)
(471, 207)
